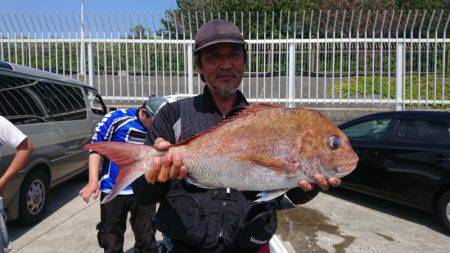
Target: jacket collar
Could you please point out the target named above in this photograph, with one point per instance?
(239, 104)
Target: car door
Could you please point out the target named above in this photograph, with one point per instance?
(417, 159)
(69, 116)
(368, 137)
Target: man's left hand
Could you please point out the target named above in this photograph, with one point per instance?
(320, 181)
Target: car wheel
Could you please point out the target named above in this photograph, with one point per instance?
(443, 210)
(33, 197)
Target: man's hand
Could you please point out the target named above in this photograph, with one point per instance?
(320, 181)
(169, 166)
(88, 190)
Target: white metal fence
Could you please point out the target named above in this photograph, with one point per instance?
(385, 57)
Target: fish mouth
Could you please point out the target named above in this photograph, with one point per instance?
(344, 170)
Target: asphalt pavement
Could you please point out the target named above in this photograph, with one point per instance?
(338, 221)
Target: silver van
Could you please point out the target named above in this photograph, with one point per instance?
(58, 115)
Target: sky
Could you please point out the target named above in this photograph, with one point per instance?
(55, 6)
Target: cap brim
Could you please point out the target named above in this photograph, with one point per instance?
(235, 41)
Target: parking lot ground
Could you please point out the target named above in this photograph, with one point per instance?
(339, 221)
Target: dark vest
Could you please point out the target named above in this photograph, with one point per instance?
(192, 216)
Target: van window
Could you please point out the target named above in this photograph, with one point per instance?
(18, 102)
(64, 102)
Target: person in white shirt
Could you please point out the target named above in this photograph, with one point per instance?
(11, 136)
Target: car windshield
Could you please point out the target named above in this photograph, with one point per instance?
(370, 130)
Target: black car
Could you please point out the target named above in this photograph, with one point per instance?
(404, 157)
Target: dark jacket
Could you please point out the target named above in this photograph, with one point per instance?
(195, 219)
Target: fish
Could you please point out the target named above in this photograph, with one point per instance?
(265, 148)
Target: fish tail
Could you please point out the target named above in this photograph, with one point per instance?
(130, 158)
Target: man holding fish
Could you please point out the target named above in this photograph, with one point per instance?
(220, 183)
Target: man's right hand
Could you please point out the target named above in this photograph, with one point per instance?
(170, 166)
(88, 190)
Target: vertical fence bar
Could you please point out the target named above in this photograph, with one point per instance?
(119, 47)
(349, 55)
(91, 65)
(257, 57)
(15, 38)
(279, 58)
(419, 69)
(190, 69)
(365, 55)
(97, 49)
(309, 55)
(113, 83)
(155, 55)
(318, 57)
(140, 29)
(342, 56)
(291, 74)
(272, 49)
(435, 56)
(404, 57)
(148, 55)
(301, 56)
(427, 58)
(373, 57)
(63, 49)
(264, 58)
(399, 75)
(357, 56)
(35, 41)
(411, 63)
(389, 55)
(333, 54)
(381, 54)
(443, 58)
(21, 37)
(286, 94)
(25, 23)
(56, 44)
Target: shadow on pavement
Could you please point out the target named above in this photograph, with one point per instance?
(400, 211)
(58, 197)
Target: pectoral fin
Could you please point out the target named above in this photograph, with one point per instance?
(278, 165)
(269, 195)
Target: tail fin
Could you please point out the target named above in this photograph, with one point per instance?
(130, 158)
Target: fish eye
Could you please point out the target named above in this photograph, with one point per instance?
(335, 142)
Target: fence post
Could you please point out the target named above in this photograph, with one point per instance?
(190, 73)
(91, 65)
(291, 75)
(400, 63)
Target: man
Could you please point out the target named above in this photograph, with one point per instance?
(208, 220)
(11, 136)
(129, 126)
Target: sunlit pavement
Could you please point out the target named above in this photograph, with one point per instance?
(341, 221)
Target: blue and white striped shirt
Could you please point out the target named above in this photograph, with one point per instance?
(123, 126)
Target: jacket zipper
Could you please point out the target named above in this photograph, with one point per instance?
(222, 232)
(224, 204)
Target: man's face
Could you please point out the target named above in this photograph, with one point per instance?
(222, 66)
(145, 119)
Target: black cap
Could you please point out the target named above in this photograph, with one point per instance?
(217, 31)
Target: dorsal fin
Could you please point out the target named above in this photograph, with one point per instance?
(249, 110)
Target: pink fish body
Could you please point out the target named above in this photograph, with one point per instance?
(264, 148)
